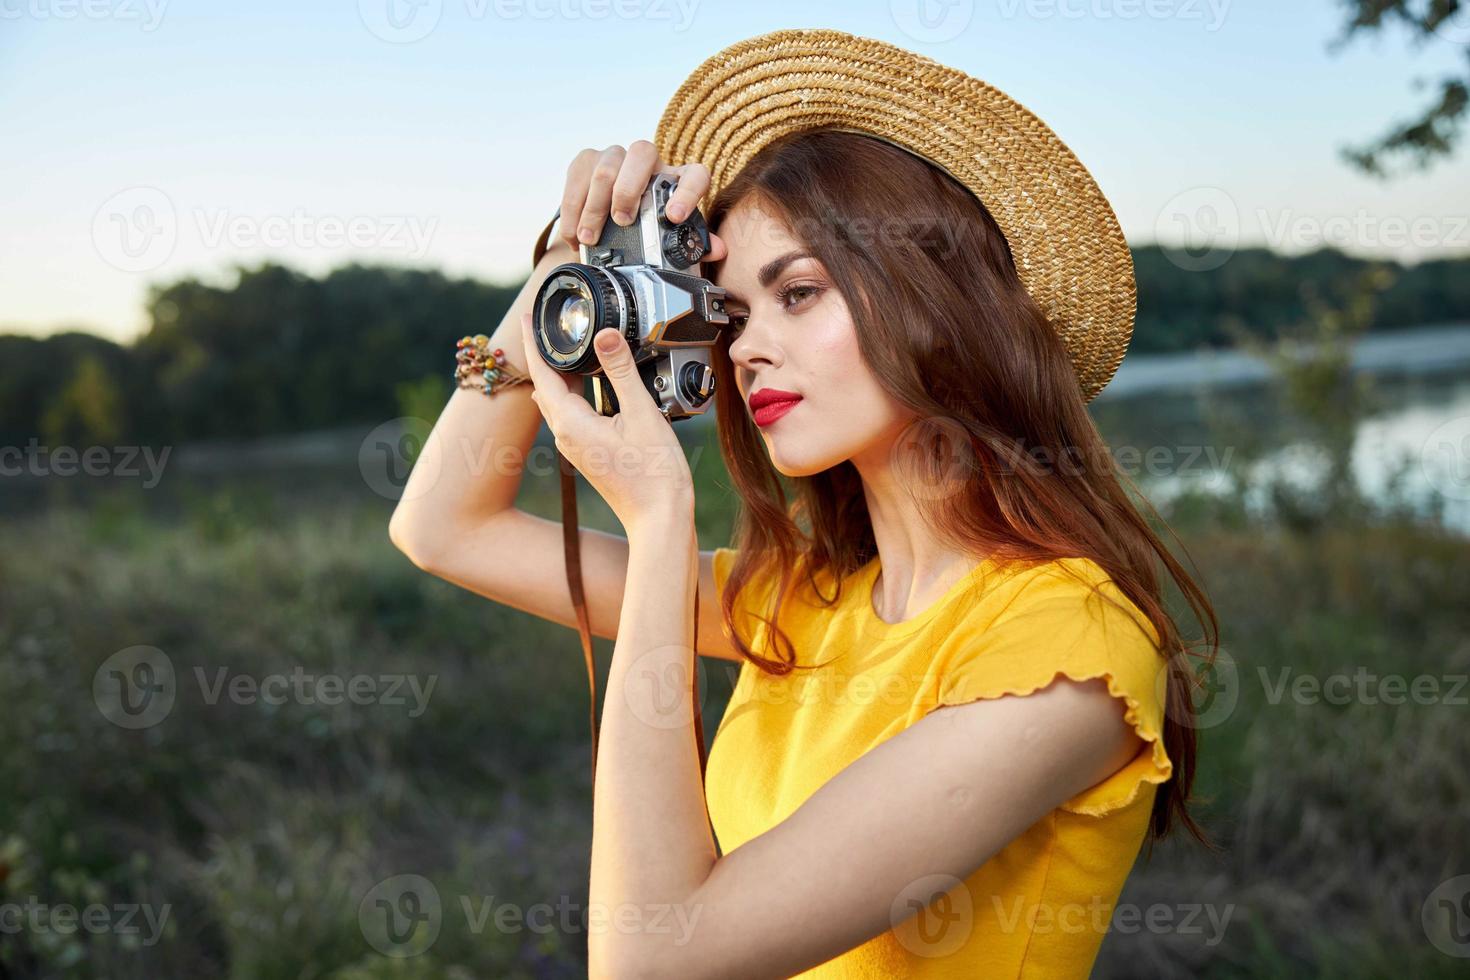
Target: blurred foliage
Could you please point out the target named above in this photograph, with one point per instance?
(277, 351)
(280, 351)
(1259, 294)
(1432, 135)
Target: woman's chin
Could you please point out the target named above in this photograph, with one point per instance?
(793, 466)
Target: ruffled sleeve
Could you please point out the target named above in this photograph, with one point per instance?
(1053, 625)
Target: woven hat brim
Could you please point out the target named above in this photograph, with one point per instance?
(1069, 250)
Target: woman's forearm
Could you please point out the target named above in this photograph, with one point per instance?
(651, 843)
(470, 468)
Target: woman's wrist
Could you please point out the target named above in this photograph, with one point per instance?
(671, 521)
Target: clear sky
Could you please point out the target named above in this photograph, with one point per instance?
(145, 140)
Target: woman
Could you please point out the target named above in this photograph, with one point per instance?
(962, 706)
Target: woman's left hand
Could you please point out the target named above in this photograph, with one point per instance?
(633, 459)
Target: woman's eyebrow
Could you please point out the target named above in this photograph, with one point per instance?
(771, 270)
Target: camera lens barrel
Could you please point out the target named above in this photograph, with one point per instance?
(574, 303)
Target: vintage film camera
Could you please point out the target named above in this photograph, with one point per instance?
(642, 280)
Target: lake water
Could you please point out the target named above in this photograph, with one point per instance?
(1415, 444)
(1154, 414)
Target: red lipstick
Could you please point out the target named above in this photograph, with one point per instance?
(769, 404)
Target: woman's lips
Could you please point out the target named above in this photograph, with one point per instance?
(767, 414)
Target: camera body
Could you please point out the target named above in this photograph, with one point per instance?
(642, 280)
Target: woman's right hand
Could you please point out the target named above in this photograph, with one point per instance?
(611, 183)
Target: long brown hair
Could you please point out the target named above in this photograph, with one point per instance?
(948, 329)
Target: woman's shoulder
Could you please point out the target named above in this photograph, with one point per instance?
(1041, 590)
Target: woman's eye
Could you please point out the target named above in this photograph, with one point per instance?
(785, 296)
(798, 294)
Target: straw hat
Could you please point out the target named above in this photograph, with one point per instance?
(1069, 251)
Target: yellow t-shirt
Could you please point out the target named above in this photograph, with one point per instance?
(1041, 906)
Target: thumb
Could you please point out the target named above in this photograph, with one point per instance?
(617, 363)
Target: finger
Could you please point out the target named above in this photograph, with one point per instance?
(556, 394)
(717, 249)
(694, 180)
(639, 166)
(616, 359)
(599, 194)
(574, 194)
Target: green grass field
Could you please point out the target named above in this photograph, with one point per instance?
(253, 831)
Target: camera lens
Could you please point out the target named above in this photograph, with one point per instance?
(573, 304)
(569, 324)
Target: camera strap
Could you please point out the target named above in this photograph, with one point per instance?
(571, 547)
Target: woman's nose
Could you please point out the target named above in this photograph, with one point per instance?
(753, 347)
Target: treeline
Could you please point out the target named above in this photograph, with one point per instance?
(281, 351)
(1262, 293)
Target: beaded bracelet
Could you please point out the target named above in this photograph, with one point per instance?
(479, 367)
